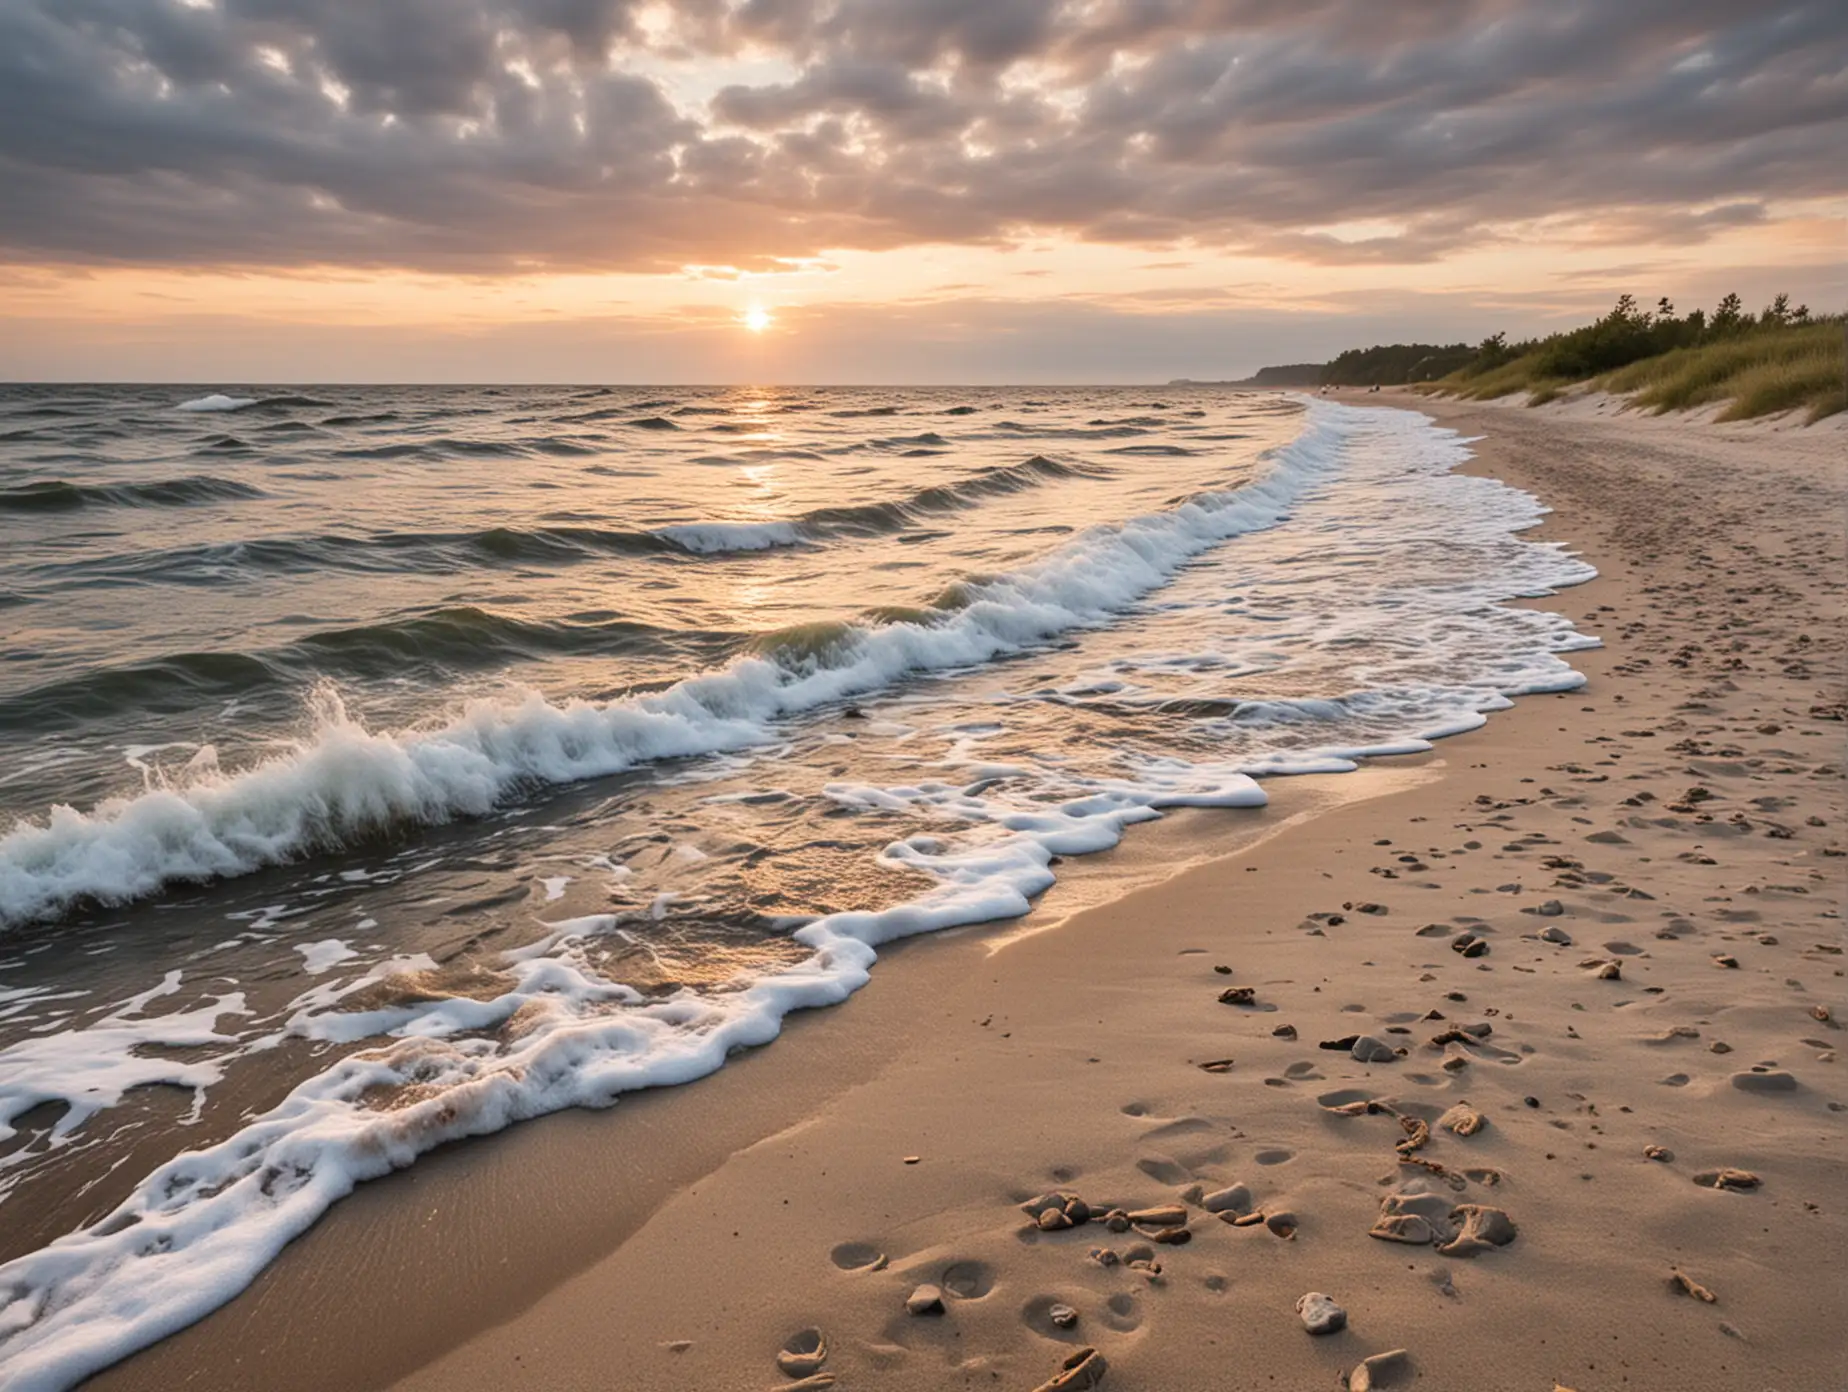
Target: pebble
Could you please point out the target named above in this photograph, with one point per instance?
(1320, 1314)
(1234, 1198)
(1368, 1049)
(1392, 1368)
(925, 1300)
(1062, 1315)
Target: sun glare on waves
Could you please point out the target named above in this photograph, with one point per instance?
(756, 319)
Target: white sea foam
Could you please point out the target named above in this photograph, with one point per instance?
(712, 538)
(345, 781)
(201, 1227)
(217, 402)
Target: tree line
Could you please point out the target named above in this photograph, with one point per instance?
(1625, 335)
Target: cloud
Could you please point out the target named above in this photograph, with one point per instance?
(484, 136)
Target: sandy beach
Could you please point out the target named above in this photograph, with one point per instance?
(1523, 1051)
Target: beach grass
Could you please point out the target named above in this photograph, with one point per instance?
(1763, 374)
(1799, 368)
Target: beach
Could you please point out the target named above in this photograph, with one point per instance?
(1590, 952)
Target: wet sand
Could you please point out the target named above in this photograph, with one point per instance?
(1651, 870)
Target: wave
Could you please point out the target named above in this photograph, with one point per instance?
(217, 402)
(345, 782)
(707, 538)
(443, 641)
(58, 495)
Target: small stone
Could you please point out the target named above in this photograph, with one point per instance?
(1168, 1237)
(1238, 995)
(1656, 1152)
(1728, 1178)
(1085, 1369)
(1480, 1229)
(1320, 1314)
(1284, 1032)
(1463, 1120)
(1053, 1220)
(1685, 1284)
(1470, 945)
(1062, 1315)
(927, 1299)
(1725, 959)
(1234, 1198)
(1383, 1370)
(1552, 908)
(1116, 1220)
(1163, 1216)
(1368, 1049)
(1553, 933)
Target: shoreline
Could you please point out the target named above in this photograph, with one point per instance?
(599, 1239)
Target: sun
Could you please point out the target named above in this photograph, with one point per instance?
(756, 319)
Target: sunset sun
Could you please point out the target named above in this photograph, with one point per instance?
(756, 319)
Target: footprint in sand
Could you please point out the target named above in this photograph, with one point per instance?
(1122, 1313)
(1274, 1156)
(1163, 1170)
(968, 1280)
(1051, 1317)
(858, 1256)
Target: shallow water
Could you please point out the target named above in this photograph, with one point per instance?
(433, 758)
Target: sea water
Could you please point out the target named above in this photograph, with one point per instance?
(382, 766)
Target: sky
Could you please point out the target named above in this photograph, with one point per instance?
(955, 191)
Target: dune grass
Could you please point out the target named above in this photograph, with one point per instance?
(1758, 375)
(1762, 373)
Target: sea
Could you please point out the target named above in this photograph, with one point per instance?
(381, 766)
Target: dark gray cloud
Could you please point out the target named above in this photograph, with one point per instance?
(481, 135)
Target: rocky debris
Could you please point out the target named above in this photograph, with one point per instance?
(1553, 933)
(1057, 1210)
(1684, 1284)
(1469, 945)
(1320, 1314)
(803, 1354)
(1369, 1049)
(1083, 1370)
(1656, 1152)
(1239, 995)
(1217, 1066)
(1740, 1181)
(1463, 1120)
(1460, 1230)
(1392, 1368)
(927, 1299)
(1418, 1219)
(1064, 1316)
